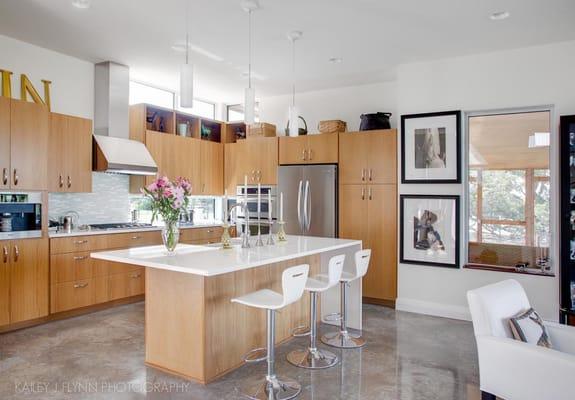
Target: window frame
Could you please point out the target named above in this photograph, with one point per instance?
(554, 220)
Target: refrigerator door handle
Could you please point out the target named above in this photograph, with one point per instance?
(299, 193)
(307, 206)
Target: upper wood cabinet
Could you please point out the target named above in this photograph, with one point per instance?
(24, 270)
(70, 154)
(368, 157)
(24, 129)
(4, 143)
(211, 168)
(256, 158)
(308, 149)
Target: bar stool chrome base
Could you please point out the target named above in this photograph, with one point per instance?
(343, 340)
(275, 389)
(312, 359)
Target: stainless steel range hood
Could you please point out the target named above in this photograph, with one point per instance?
(114, 152)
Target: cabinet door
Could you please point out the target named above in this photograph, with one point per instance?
(4, 143)
(322, 149)
(353, 212)
(78, 155)
(232, 174)
(212, 163)
(265, 152)
(57, 153)
(155, 145)
(28, 279)
(71, 295)
(29, 128)
(381, 279)
(293, 150)
(353, 150)
(4, 283)
(190, 161)
(382, 156)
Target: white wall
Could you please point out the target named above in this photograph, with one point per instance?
(524, 77)
(346, 104)
(72, 88)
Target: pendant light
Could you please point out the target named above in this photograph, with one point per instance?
(250, 93)
(293, 110)
(187, 69)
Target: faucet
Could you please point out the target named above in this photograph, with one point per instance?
(246, 232)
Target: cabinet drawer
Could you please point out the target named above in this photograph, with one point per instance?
(70, 267)
(104, 242)
(212, 234)
(126, 284)
(134, 239)
(70, 295)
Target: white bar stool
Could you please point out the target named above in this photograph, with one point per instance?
(312, 357)
(343, 339)
(293, 283)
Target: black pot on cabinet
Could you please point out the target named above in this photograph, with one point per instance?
(378, 120)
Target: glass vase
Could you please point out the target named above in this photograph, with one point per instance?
(171, 236)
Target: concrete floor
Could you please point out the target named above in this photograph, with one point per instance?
(101, 356)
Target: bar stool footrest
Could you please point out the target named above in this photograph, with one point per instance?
(301, 331)
(256, 355)
(333, 317)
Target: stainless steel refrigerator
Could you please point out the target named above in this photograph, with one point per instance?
(310, 199)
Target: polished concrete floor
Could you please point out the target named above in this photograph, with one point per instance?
(101, 356)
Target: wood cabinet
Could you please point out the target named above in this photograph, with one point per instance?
(201, 235)
(70, 154)
(4, 143)
(368, 205)
(308, 149)
(24, 280)
(211, 168)
(256, 158)
(24, 129)
(368, 157)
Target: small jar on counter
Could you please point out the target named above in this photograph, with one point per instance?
(6, 222)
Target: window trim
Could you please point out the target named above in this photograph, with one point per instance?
(554, 220)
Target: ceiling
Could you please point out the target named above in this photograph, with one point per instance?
(371, 36)
(502, 141)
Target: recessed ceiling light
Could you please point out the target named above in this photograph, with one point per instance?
(83, 4)
(498, 16)
(335, 60)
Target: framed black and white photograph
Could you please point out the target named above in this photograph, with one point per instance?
(431, 147)
(429, 230)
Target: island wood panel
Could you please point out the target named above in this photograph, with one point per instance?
(194, 331)
(4, 143)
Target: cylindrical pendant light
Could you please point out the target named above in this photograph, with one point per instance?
(187, 69)
(250, 93)
(293, 116)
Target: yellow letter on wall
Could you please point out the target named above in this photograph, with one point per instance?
(26, 88)
(6, 84)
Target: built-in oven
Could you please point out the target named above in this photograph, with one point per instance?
(20, 215)
(250, 192)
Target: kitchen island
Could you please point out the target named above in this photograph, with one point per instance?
(192, 328)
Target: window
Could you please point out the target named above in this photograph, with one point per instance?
(236, 113)
(200, 108)
(509, 189)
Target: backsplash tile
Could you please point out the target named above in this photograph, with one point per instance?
(108, 202)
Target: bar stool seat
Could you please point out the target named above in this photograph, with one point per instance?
(312, 357)
(293, 283)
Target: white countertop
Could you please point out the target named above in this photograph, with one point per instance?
(213, 260)
(55, 234)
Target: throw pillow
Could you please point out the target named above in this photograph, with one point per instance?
(528, 327)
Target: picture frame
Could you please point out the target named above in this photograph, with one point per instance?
(431, 147)
(430, 230)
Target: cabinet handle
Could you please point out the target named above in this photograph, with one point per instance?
(69, 182)
(253, 175)
(369, 195)
(136, 275)
(363, 193)
(136, 237)
(304, 154)
(310, 152)
(16, 253)
(80, 285)
(210, 231)
(370, 174)
(15, 176)
(61, 181)
(259, 175)
(203, 187)
(80, 258)
(80, 242)
(5, 176)
(5, 252)
(363, 174)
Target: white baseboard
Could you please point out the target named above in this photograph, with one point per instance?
(435, 309)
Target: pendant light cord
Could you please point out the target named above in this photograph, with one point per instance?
(187, 30)
(293, 72)
(250, 49)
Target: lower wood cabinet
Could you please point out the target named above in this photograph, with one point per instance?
(23, 280)
(126, 284)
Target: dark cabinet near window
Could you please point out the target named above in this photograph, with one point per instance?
(568, 219)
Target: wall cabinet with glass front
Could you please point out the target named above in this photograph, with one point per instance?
(509, 191)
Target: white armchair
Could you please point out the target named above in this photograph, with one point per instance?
(511, 369)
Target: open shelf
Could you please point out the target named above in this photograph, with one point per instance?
(159, 119)
(211, 130)
(192, 123)
(233, 132)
